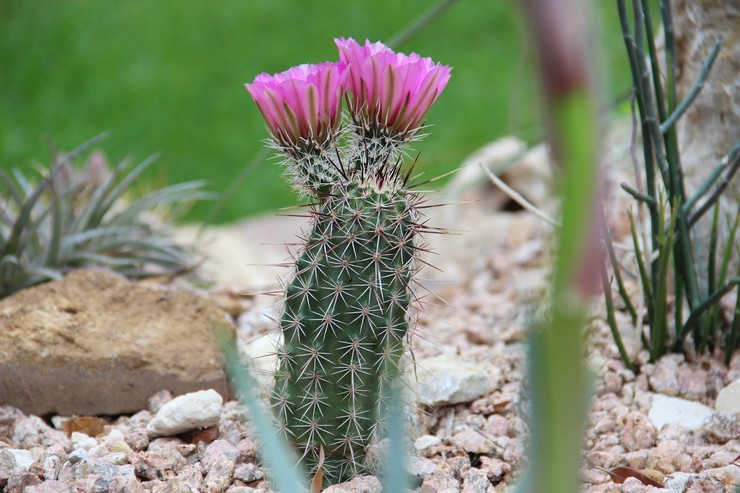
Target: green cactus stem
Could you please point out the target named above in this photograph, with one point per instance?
(345, 321)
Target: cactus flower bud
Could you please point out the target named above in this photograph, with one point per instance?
(302, 106)
(390, 92)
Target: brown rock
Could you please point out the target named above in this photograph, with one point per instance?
(95, 343)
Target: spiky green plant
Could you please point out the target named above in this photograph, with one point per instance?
(62, 223)
(346, 311)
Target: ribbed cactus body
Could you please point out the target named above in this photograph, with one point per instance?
(344, 322)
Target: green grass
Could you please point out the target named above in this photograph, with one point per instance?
(167, 77)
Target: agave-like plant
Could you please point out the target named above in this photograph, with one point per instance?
(60, 223)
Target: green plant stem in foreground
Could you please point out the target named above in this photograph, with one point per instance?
(558, 378)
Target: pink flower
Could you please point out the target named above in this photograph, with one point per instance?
(302, 105)
(390, 90)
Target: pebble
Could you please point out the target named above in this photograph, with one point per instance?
(217, 451)
(449, 379)
(722, 427)
(220, 475)
(185, 413)
(16, 460)
(664, 376)
(360, 484)
(728, 475)
(475, 481)
(81, 440)
(114, 436)
(728, 400)
(425, 442)
(248, 473)
(32, 431)
(638, 432)
(688, 414)
(79, 455)
(420, 467)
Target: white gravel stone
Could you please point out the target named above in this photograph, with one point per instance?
(360, 484)
(113, 437)
(426, 441)
(82, 441)
(420, 467)
(687, 414)
(449, 379)
(728, 400)
(186, 412)
(16, 460)
(78, 455)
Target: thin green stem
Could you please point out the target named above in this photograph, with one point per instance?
(637, 195)
(611, 319)
(721, 186)
(696, 312)
(618, 277)
(734, 334)
(417, 25)
(647, 288)
(669, 122)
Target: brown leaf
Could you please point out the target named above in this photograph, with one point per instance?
(318, 479)
(91, 426)
(206, 435)
(648, 477)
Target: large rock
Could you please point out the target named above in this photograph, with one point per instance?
(95, 343)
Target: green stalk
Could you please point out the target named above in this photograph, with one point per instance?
(618, 277)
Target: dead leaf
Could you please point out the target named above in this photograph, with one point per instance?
(206, 435)
(318, 478)
(648, 477)
(91, 426)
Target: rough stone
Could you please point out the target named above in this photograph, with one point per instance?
(217, 450)
(220, 475)
(19, 482)
(248, 473)
(449, 379)
(187, 412)
(721, 427)
(638, 432)
(16, 460)
(664, 379)
(728, 400)
(360, 484)
(64, 341)
(426, 441)
(52, 486)
(728, 475)
(690, 415)
(420, 467)
(32, 431)
(475, 481)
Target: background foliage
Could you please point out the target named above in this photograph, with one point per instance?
(168, 77)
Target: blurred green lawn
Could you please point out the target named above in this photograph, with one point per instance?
(167, 76)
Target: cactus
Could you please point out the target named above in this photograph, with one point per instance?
(347, 310)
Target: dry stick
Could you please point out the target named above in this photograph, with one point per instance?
(516, 197)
